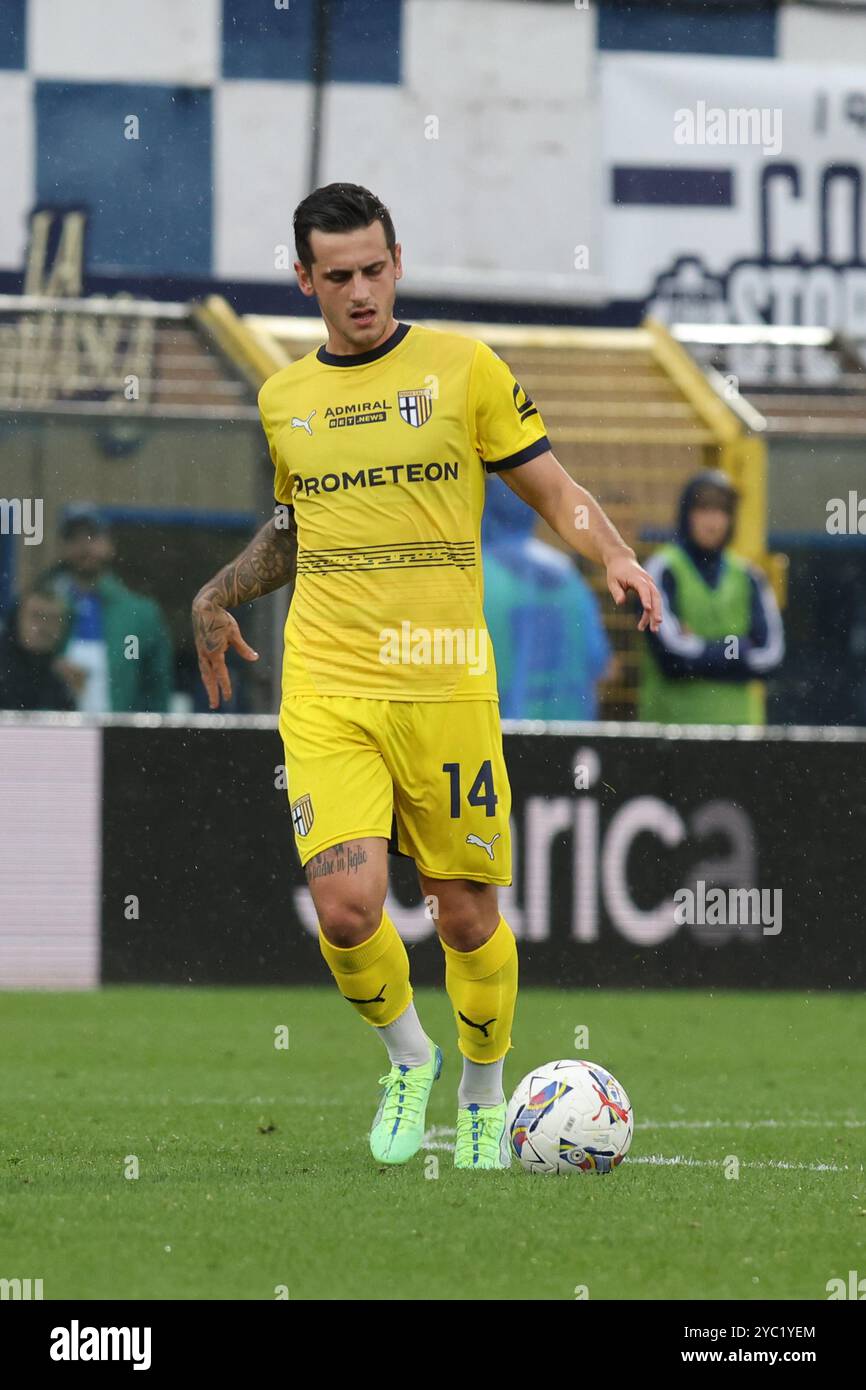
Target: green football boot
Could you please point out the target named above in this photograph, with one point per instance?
(482, 1141)
(398, 1129)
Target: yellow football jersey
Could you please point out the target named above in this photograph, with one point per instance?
(383, 455)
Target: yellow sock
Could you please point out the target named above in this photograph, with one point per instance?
(373, 977)
(482, 987)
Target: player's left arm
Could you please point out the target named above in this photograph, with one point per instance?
(577, 518)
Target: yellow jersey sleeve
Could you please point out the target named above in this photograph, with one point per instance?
(506, 426)
(282, 476)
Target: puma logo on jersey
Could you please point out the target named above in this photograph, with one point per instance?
(482, 1027)
(476, 840)
(303, 424)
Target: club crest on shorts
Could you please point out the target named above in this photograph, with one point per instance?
(416, 406)
(302, 815)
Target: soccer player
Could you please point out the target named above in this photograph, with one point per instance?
(381, 440)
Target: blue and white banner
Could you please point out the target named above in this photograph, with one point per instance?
(184, 127)
(735, 190)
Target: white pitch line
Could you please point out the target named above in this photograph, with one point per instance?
(440, 1130)
(435, 1138)
(684, 1161)
(750, 1124)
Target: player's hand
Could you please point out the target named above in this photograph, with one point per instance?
(624, 574)
(215, 631)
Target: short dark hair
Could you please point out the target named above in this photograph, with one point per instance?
(83, 517)
(714, 489)
(338, 207)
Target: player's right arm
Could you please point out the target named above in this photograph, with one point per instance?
(267, 563)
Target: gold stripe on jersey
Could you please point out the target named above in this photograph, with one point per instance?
(388, 512)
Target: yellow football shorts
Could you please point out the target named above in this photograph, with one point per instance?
(430, 778)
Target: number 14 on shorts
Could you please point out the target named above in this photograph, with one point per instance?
(481, 792)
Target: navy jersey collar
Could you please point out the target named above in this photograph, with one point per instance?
(360, 359)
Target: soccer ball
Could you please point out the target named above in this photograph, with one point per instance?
(569, 1117)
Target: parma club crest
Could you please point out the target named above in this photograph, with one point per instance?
(416, 407)
(302, 815)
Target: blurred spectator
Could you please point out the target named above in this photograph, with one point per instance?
(32, 676)
(692, 670)
(117, 637)
(549, 641)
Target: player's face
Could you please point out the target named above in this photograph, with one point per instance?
(354, 278)
(87, 553)
(709, 526)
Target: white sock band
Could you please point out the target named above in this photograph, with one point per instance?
(405, 1039)
(481, 1083)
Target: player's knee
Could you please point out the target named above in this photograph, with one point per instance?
(464, 935)
(466, 920)
(348, 922)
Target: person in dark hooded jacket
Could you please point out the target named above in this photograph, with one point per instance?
(721, 633)
(32, 677)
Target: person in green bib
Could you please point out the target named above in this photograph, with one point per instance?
(721, 633)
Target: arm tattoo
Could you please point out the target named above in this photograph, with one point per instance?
(268, 563)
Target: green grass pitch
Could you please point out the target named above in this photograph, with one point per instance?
(254, 1173)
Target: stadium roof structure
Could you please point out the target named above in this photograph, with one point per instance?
(120, 357)
(803, 381)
